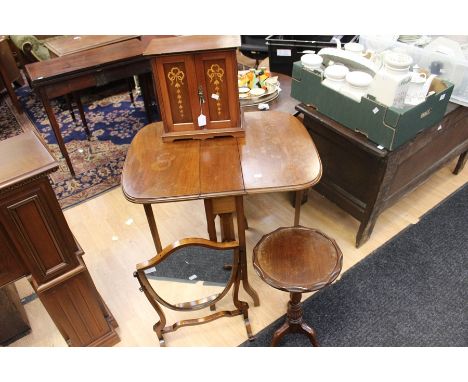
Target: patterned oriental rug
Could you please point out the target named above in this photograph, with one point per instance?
(113, 121)
(9, 126)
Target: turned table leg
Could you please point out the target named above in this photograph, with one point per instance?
(294, 321)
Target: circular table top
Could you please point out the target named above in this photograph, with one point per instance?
(297, 259)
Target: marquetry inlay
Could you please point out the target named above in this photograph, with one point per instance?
(215, 74)
(176, 76)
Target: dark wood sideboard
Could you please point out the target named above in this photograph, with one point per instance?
(36, 242)
(364, 180)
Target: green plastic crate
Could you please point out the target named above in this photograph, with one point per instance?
(386, 126)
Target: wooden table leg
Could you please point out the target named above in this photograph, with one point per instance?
(297, 207)
(366, 227)
(225, 208)
(70, 106)
(210, 219)
(460, 163)
(77, 98)
(146, 94)
(153, 227)
(11, 92)
(130, 90)
(243, 250)
(227, 227)
(56, 129)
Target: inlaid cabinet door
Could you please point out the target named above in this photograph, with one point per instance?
(217, 76)
(177, 91)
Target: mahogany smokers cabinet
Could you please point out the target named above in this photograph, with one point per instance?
(36, 242)
(196, 81)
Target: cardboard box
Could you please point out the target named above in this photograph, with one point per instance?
(386, 126)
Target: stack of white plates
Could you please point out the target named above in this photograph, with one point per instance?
(409, 38)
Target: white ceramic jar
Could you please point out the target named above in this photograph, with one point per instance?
(354, 47)
(356, 86)
(312, 61)
(391, 82)
(335, 76)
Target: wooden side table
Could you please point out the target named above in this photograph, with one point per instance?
(364, 180)
(297, 260)
(75, 72)
(36, 241)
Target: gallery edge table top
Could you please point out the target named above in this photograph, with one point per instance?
(276, 154)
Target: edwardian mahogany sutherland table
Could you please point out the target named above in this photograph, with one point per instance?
(276, 154)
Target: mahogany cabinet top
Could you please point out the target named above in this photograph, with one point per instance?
(185, 44)
(276, 154)
(23, 157)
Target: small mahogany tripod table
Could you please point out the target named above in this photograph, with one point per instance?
(297, 260)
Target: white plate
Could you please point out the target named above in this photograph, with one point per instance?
(249, 96)
(257, 92)
(243, 90)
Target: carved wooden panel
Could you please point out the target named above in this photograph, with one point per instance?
(44, 243)
(76, 308)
